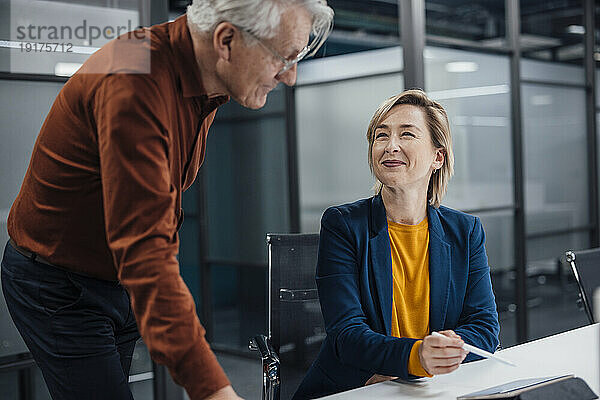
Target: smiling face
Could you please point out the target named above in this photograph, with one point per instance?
(252, 71)
(403, 154)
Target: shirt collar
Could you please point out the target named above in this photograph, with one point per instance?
(185, 62)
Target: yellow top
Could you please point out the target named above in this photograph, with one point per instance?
(410, 272)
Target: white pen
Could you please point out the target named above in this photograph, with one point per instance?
(478, 351)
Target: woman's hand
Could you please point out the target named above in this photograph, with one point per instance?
(442, 355)
(379, 378)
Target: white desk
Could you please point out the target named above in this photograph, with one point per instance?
(574, 352)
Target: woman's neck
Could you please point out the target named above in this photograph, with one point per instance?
(404, 207)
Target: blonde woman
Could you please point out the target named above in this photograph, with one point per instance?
(398, 266)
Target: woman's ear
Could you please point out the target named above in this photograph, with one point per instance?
(222, 38)
(440, 155)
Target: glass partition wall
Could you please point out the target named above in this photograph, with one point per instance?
(526, 174)
(559, 162)
(474, 88)
(332, 114)
(21, 118)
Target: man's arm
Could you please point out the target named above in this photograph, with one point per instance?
(141, 223)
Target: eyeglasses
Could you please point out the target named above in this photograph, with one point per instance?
(287, 63)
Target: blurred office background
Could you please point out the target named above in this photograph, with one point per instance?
(520, 81)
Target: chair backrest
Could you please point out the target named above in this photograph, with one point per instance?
(585, 265)
(296, 325)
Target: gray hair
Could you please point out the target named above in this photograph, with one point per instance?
(259, 17)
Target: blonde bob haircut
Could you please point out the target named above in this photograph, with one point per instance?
(439, 129)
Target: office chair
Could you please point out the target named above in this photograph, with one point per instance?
(585, 265)
(296, 327)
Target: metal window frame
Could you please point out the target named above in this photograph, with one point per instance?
(589, 15)
(412, 37)
(352, 78)
(553, 84)
(292, 160)
(513, 33)
(22, 364)
(559, 232)
(7, 76)
(16, 362)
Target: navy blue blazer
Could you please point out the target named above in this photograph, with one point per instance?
(354, 280)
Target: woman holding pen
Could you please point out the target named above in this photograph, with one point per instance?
(398, 266)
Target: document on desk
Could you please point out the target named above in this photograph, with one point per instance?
(512, 389)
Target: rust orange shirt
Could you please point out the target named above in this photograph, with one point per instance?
(102, 194)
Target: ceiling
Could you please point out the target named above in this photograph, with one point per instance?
(550, 29)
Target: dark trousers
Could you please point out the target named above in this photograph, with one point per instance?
(81, 331)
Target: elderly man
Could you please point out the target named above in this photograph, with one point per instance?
(94, 228)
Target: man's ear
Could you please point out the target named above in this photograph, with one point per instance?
(222, 38)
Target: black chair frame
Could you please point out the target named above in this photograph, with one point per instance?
(284, 293)
(584, 296)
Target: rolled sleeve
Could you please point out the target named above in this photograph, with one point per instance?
(414, 363)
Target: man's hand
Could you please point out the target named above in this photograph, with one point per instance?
(379, 378)
(442, 355)
(227, 393)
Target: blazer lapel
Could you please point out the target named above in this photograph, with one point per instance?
(381, 260)
(440, 260)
